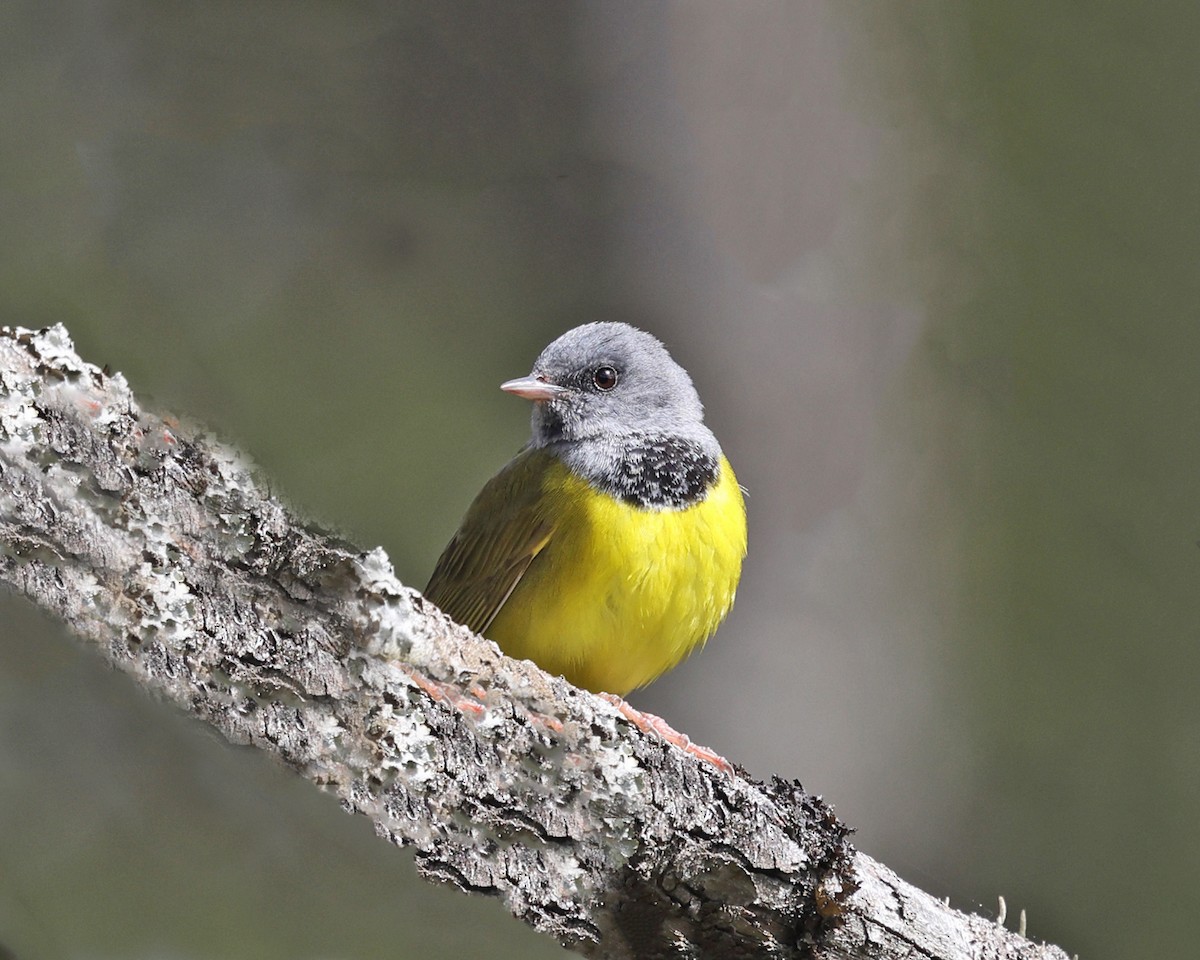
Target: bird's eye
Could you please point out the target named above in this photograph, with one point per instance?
(605, 378)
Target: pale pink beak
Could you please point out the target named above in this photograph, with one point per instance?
(533, 388)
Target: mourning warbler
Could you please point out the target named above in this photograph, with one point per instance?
(610, 547)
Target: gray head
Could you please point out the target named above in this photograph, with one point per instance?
(609, 380)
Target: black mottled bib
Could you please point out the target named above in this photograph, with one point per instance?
(661, 473)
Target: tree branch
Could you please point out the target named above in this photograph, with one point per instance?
(157, 543)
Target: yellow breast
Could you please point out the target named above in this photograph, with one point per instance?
(620, 593)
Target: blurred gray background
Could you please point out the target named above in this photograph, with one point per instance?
(934, 269)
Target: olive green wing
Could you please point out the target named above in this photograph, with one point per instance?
(504, 529)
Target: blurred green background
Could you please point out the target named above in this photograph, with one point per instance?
(934, 269)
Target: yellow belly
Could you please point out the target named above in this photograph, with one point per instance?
(620, 593)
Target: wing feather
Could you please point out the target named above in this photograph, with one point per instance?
(504, 529)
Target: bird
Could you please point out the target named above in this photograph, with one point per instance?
(611, 546)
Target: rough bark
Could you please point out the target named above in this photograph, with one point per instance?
(159, 545)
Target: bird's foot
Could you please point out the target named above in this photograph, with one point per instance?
(448, 693)
(648, 722)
